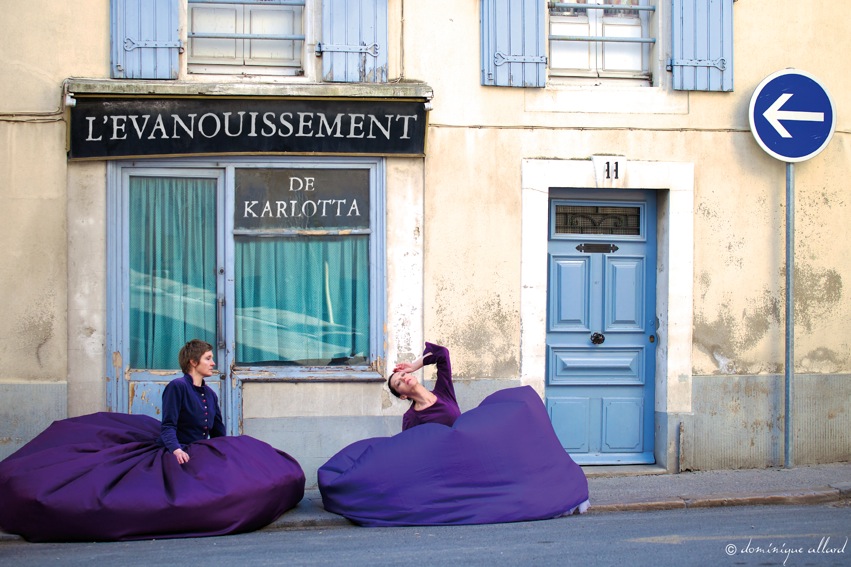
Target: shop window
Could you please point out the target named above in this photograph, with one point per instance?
(277, 265)
(301, 267)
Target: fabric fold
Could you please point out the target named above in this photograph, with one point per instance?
(103, 477)
(500, 462)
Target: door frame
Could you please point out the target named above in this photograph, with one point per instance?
(118, 375)
(674, 265)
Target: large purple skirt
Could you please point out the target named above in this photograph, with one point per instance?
(500, 462)
(103, 477)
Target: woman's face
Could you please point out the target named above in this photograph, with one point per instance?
(403, 383)
(205, 364)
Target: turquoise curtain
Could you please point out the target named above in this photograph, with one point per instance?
(302, 300)
(172, 246)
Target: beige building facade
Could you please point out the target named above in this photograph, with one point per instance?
(461, 234)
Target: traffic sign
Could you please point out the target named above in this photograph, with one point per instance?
(792, 115)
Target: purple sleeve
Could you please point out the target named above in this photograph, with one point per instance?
(440, 357)
(171, 413)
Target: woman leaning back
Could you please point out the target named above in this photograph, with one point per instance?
(427, 406)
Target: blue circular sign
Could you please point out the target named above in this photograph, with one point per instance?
(791, 115)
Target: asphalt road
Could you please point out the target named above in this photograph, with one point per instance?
(733, 536)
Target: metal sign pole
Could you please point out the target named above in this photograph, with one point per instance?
(792, 119)
(790, 313)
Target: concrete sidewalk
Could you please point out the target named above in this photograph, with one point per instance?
(623, 488)
(613, 489)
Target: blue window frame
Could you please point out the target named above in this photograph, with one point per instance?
(279, 265)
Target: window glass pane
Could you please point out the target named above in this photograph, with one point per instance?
(575, 219)
(248, 26)
(302, 300)
(273, 20)
(572, 55)
(172, 250)
(215, 19)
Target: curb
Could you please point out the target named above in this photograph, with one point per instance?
(784, 497)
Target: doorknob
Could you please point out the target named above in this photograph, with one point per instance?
(598, 338)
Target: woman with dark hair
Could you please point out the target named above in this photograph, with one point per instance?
(184, 419)
(498, 462)
(436, 406)
(115, 477)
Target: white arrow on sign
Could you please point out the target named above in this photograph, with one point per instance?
(774, 115)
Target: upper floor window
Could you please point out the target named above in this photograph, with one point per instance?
(250, 37)
(590, 40)
(246, 36)
(527, 42)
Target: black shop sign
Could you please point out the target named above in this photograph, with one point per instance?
(110, 128)
(330, 199)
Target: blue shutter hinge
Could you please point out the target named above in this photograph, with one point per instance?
(719, 63)
(501, 58)
(130, 44)
(368, 49)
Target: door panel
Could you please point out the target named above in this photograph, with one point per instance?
(146, 396)
(601, 324)
(571, 420)
(572, 282)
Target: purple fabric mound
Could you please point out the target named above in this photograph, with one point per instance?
(103, 477)
(500, 462)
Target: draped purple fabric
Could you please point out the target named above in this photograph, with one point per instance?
(500, 462)
(103, 477)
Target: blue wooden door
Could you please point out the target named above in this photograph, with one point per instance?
(601, 325)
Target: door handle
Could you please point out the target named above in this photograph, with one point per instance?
(220, 315)
(598, 338)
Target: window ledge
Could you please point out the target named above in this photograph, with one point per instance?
(121, 87)
(318, 374)
(606, 99)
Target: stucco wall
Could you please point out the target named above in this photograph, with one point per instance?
(479, 135)
(455, 220)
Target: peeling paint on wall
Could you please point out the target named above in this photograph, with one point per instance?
(816, 293)
(484, 339)
(730, 336)
(35, 327)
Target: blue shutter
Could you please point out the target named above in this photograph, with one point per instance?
(702, 45)
(145, 40)
(354, 41)
(514, 43)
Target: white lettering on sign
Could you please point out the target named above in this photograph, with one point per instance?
(303, 207)
(298, 184)
(300, 209)
(232, 125)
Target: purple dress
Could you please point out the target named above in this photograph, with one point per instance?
(499, 462)
(111, 477)
(445, 410)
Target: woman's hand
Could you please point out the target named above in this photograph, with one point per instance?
(405, 368)
(182, 456)
(410, 367)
